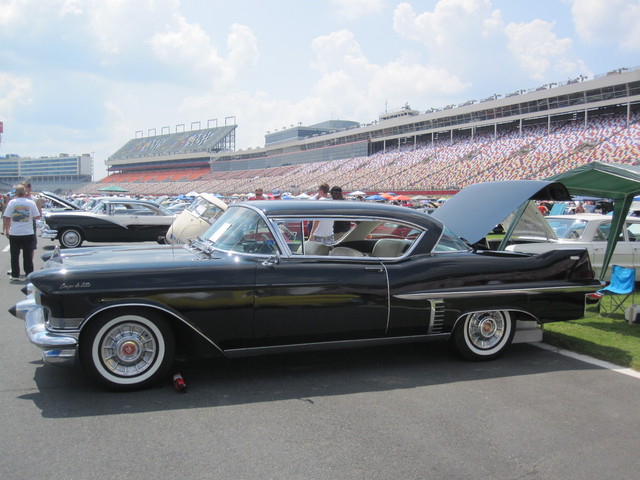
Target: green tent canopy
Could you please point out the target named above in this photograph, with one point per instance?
(606, 180)
(112, 188)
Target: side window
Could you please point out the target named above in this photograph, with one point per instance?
(633, 232)
(145, 210)
(602, 233)
(450, 243)
(392, 239)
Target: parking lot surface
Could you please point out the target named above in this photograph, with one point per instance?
(409, 412)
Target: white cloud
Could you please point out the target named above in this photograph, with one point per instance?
(350, 9)
(608, 22)
(538, 50)
(190, 49)
(451, 23)
(456, 36)
(353, 84)
(14, 92)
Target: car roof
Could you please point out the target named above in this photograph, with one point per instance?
(276, 208)
(126, 200)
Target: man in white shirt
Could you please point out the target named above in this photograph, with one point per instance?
(322, 230)
(18, 224)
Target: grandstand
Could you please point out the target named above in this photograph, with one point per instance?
(520, 135)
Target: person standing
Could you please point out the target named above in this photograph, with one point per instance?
(18, 221)
(38, 202)
(322, 230)
(340, 228)
(258, 194)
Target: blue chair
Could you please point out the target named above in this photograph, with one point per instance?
(621, 287)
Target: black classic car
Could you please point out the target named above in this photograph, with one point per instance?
(113, 219)
(254, 283)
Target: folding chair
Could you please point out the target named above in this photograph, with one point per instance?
(620, 288)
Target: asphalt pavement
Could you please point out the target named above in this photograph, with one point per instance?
(400, 412)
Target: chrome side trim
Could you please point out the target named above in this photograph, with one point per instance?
(435, 295)
(436, 316)
(340, 344)
(386, 278)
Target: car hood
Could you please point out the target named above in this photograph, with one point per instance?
(474, 211)
(136, 269)
(113, 258)
(59, 201)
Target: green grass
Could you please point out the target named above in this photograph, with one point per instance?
(611, 339)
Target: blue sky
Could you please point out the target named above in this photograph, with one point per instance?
(82, 76)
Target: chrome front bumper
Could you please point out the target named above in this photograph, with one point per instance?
(48, 233)
(57, 348)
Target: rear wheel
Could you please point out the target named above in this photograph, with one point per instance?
(484, 335)
(71, 238)
(127, 350)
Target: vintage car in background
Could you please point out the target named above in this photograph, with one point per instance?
(51, 202)
(583, 230)
(195, 219)
(253, 283)
(113, 219)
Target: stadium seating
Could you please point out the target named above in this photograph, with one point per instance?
(533, 153)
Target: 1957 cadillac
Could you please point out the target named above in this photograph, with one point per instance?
(254, 283)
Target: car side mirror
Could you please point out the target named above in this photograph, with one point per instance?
(272, 260)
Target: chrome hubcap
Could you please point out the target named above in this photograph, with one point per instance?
(486, 329)
(71, 238)
(128, 349)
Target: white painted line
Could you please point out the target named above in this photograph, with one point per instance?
(593, 361)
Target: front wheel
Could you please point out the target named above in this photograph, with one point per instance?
(71, 238)
(127, 350)
(483, 335)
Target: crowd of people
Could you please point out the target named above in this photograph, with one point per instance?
(447, 163)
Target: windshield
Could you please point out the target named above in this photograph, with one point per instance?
(201, 207)
(567, 227)
(241, 230)
(449, 242)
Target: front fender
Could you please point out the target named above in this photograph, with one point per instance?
(137, 303)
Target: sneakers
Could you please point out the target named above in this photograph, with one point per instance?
(14, 279)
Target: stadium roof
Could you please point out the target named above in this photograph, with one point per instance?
(196, 141)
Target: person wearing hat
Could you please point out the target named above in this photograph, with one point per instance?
(276, 194)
